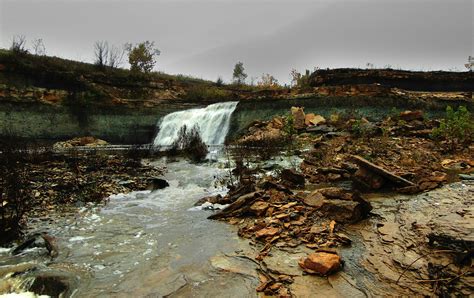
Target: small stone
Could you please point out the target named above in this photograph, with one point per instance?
(321, 263)
(259, 207)
(265, 232)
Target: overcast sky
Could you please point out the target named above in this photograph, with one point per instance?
(205, 38)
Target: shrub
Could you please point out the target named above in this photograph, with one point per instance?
(190, 144)
(18, 45)
(289, 127)
(14, 189)
(457, 128)
(203, 92)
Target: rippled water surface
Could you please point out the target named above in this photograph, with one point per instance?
(148, 242)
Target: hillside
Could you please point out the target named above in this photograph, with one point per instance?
(51, 98)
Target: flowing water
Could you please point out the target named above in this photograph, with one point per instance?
(212, 121)
(147, 243)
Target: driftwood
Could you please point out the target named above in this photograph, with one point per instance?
(237, 207)
(50, 242)
(370, 167)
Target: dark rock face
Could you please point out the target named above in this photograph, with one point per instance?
(292, 178)
(408, 80)
(55, 284)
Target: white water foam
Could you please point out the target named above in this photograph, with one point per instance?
(213, 122)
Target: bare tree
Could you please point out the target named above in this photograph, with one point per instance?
(116, 55)
(101, 53)
(38, 47)
(267, 81)
(19, 44)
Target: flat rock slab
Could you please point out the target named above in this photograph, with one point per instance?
(234, 264)
(345, 286)
(284, 262)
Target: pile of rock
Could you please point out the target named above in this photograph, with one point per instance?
(276, 217)
(80, 141)
(304, 121)
(274, 129)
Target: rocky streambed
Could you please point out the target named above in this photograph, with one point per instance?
(141, 243)
(156, 243)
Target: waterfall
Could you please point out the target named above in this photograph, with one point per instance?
(213, 122)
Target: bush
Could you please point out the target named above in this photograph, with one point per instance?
(190, 144)
(456, 129)
(203, 92)
(14, 190)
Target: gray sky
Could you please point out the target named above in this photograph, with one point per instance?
(205, 38)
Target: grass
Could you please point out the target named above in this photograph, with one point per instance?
(39, 69)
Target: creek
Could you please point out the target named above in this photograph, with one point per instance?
(142, 243)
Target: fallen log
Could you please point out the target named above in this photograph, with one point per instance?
(370, 167)
(242, 204)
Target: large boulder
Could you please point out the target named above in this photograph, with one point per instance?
(298, 117)
(155, 183)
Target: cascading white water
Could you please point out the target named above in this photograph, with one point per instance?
(213, 122)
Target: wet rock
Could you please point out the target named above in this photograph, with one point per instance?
(81, 141)
(265, 232)
(466, 177)
(345, 211)
(321, 263)
(345, 286)
(28, 243)
(276, 123)
(315, 199)
(411, 115)
(321, 129)
(211, 199)
(234, 265)
(157, 183)
(269, 184)
(335, 203)
(259, 208)
(312, 119)
(366, 180)
(54, 284)
(292, 177)
(298, 117)
(240, 206)
(51, 244)
(375, 170)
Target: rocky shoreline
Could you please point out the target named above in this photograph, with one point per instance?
(304, 213)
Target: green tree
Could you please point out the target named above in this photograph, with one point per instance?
(300, 80)
(142, 57)
(239, 75)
